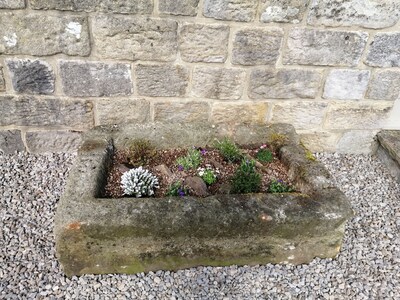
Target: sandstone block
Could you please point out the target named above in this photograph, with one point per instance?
(12, 4)
(357, 115)
(384, 50)
(302, 115)
(320, 141)
(31, 76)
(53, 141)
(357, 142)
(11, 141)
(2, 80)
(120, 111)
(284, 84)
(286, 11)
(364, 13)
(185, 112)
(324, 47)
(231, 10)
(232, 113)
(346, 84)
(162, 80)
(384, 85)
(218, 83)
(178, 7)
(257, 46)
(94, 79)
(138, 38)
(114, 6)
(43, 34)
(32, 111)
(203, 43)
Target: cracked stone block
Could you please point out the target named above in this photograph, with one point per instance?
(94, 79)
(365, 13)
(257, 46)
(112, 6)
(11, 141)
(121, 111)
(284, 83)
(324, 47)
(138, 38)
(283, 11)
(384, 50)
(203, 43)
(178, 7)
(173, 111)
(52, 111)
(231, 10)
(39, 34)
(384, 85)
(346, 84)
(31, 76)
(218, 83)
(53, 141)
(162, 80)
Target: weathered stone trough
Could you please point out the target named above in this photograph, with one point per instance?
(130, 235)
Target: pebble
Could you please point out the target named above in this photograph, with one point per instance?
(366, 268)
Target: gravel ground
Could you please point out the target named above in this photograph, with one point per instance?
(368, 266)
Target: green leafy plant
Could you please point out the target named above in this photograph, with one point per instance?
(191, 160)
(278, 186)
(228, 150)
(246, 178)
(265, 155)
(177, 189)
(208, 175)
(140, 152)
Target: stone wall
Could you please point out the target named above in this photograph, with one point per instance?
(330, 68)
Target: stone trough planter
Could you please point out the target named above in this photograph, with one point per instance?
(131, 235)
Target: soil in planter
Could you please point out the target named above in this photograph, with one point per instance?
(163, 165)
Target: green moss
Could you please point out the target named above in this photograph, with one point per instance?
(135, 266)
(112, 233)
(310, 156)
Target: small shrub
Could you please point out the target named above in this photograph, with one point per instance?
(277, 140)
(246, 179)
(191, 161)
(208, 175)
(140, 152)
(228, 150)
(139, 182)
(265, 155)
(278, 186)
(177, 189)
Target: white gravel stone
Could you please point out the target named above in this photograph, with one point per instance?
(366, 268)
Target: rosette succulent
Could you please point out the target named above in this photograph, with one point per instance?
(139, 182)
